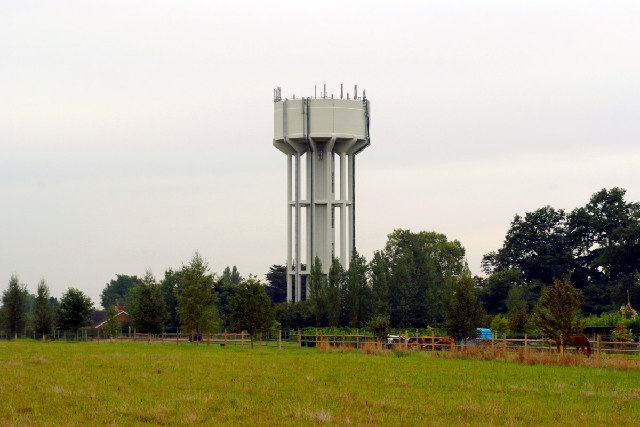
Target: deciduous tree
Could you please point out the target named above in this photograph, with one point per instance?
(117, 290)
(74, 311)
(276, 286)
(196, 300)
(380, 326)
(251, 308)
(145, 304)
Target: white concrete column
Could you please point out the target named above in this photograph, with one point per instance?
(328, 229)
(309, 156)
(343, 211)
(289, 228)
(297, 228)
(351, 226)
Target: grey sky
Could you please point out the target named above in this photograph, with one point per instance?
(134, 133)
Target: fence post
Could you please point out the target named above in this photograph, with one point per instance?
(504, 342)
(225, 337)
(525, 344)
(162, 342)
(242, 338)
(134, 334)
(406, 339)
(260, 338)
(129, 333)
(493, 344)
(357, 338)
(208, 338)
(561, 345)
(299, 339)
(320, 337)
(177, 335)
(148, 338)
(433, 340)
(279, 339)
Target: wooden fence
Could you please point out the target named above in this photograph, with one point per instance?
(439, 343)
(298, 339)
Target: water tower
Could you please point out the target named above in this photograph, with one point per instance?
(321, 137)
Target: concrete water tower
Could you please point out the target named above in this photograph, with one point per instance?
(321, 137)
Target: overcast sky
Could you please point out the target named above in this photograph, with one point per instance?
(135, 133)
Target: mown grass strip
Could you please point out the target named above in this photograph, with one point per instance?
(123, 383)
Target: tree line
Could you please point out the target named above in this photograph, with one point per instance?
(596, 247)
(418, 279)
(188, 299)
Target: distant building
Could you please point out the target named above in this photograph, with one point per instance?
(99, 317)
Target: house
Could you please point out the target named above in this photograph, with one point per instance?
(99, 318)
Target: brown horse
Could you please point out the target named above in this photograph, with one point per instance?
(581, 342)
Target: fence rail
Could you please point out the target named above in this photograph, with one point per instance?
(495, 343)
(298, 339)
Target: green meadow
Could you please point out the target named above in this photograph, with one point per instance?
(59, 383)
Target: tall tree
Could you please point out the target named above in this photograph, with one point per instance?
(357, 294)
(606, 238)
(422, 266)
(43, 311)
(536, 244)
(196, 299)
(294, 315)
(171, 286)
(146, 305)
(404, 293)
(380, 273)
(251, 308)
(494, 290)
(277, 283)
(317, 291)
(14, 312)
(75, 311)
(557, 311)
(224, 290)
(464, 313)
(335, 281)
(117, 290)
(231, 275)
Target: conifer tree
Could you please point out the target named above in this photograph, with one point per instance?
(14, 311)
(251, 308)
(357, 292)
(317, 291)
(557, 308)
(146, 305)
(334, 288)
(196, 299)
(464, 314)
(43, 311)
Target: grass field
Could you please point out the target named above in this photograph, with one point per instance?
(58, 383)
